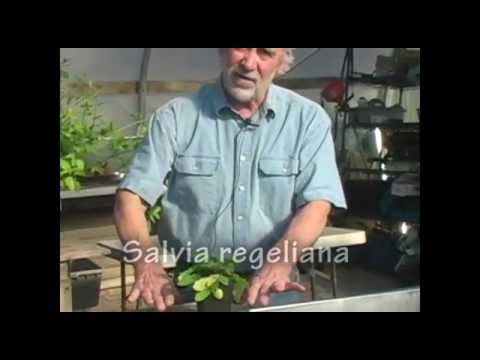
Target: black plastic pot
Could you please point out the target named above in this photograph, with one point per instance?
(86, 280)
(213, 305)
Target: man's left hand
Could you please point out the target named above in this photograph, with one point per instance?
(272, 278)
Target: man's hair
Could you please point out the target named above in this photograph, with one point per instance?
(288, 59)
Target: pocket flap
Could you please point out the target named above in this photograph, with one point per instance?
(279, 167)
(195, 165)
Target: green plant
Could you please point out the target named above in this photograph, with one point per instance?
(154, 212)
(124, 147)
(84, 132)
(71, 169)
(210, 278)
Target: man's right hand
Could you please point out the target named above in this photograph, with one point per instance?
(153, 285)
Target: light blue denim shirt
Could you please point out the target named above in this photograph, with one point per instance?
(233, 183)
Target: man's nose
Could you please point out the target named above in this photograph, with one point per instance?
(250, 60)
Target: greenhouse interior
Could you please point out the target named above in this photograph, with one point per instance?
(240, 179)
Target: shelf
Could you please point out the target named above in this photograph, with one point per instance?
(389, 81)
(404, 126)
(97, 186)
(92, 192)
(380, 172)
(388, 160)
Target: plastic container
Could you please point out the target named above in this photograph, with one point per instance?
(86, 279)
(377, 114)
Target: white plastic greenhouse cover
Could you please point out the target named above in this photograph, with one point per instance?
(195, 64)
(200, 64)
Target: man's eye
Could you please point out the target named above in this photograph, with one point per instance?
(270, 52)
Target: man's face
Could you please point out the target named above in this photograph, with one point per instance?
(248, 72)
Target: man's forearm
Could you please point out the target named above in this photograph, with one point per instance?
(304, 229)
(130, 221)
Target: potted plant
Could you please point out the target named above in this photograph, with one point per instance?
(216, 285)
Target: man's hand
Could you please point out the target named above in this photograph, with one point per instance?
(273, 277)
(153, 285)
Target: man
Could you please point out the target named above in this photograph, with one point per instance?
(249, 164)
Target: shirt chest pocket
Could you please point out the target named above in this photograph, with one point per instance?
(194, 185)
(277, 184)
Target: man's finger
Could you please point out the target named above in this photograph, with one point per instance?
(264, 300)
(158, 299)
(253, 290)
(168, 295)
(265, 289)
(294, 286)
(147, 296)
(137, 290)
(279, 286)
(134, 295)
(159, 303)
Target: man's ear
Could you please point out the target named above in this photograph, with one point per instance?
(283, 69)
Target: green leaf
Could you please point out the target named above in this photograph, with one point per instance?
(80, 164)
(96, 170)
(65, 165)
(211, 280)
(186, 272)
(202, 295)
(187, 280)
(218, 294)
(224, 280)
(201, 284)
(69, 183)
(239, 288)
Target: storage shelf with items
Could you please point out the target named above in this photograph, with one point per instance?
(400, 71)
(379, 161)
(386, 147)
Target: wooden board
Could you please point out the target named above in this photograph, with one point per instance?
(76, 254)
(92, 233)
(338, 237)
(65, 289)
(165, 87)
(81, 243)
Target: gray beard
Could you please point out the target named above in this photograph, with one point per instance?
(236, 93)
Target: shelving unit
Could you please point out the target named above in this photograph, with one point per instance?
(351, 77)
(376, 165)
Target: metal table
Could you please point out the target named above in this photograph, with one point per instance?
(330, 239)
(405, 300)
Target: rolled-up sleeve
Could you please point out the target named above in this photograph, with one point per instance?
(153, 161)
(319, 178)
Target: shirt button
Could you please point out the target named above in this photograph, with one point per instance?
(243, 158)
(240, 218)
(241, 188)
